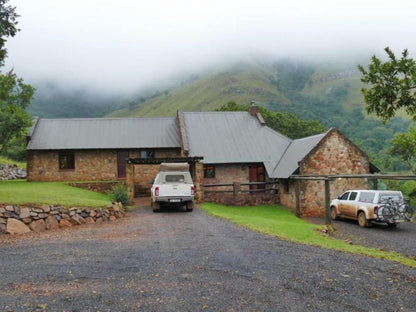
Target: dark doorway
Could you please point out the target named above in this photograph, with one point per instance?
(257, 174)
(121, 164)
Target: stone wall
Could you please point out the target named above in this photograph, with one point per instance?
(11, 172)
(228, 173)
(24, 219)
(335, 154)
(90, 165)
(241, 199)
(103, 187)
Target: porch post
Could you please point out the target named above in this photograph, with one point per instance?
(327, 202)
(130, 181)
(297, 193)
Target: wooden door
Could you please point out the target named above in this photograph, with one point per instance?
(121, 164)
(257, 174)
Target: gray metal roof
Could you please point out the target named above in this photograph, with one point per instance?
(233, 137)
(296, 151)
(104, 133)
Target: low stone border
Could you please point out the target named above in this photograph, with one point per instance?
(24, 219)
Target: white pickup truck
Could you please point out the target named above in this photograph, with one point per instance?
(372, 206)
(173, 187)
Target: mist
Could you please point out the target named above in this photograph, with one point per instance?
(128, 45)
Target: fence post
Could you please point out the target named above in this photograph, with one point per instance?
(327, 202)
(236, 188)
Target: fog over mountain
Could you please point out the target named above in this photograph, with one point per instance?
(128, 45)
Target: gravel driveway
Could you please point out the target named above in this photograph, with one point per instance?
(401, 239)
(176, 261)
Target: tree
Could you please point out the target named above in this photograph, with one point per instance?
(404, 147)
(8, 23)
(15, 96)
(285, 123)
(392, 85)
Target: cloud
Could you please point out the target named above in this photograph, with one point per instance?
(129, 44)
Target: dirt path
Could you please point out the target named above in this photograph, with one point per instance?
(176, 261)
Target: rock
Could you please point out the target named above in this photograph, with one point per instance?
(3, 221)
(99, 221)
(2, 228)
(93, 213)
(46, 208)
(24, 213)
(112, 218)
(37, 210)
(89, 220)
(2, 210)
(9, 208)
(33, 214)
(65, 216)
(27, 220)
(64, 223)
(51, 223)
(15, 226)
(38, 226)
(43, 215)
(77, 219)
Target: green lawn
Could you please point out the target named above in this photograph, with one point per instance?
(281, 222)
(19, 192)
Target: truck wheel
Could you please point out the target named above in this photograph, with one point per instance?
(189, 206)
(334, 215)
(362, 220)
(155, 206)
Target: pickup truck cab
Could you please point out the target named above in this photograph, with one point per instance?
(369, 206)
(173, 187)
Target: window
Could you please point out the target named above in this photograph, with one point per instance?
(175, 178)
(345, 196)
(209, 172)
(66, 161)
(147, 154)
(367, 197)
(353, 196)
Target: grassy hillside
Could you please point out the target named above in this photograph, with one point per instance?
(329, 94)
(240, 83)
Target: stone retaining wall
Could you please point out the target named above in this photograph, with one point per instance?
(241, 199)
(103, 187)
(11, 172)
(24, 219)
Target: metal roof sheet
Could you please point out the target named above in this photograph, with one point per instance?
(296, 151)
(233, 137)
(104, 133)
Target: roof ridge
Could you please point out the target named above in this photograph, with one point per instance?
(105, 118)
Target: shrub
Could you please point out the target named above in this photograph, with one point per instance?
(119, 194)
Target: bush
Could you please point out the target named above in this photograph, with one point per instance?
(119, 194)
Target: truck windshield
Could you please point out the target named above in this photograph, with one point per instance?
(175, 178)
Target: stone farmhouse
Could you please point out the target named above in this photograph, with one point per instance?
(225, 149)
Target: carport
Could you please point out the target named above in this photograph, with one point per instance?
(329, 178)
(145, 170)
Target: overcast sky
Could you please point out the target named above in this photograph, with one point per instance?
(127, 44)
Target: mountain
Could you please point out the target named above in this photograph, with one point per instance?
(327, 93)
(52, 100)
(264, 83)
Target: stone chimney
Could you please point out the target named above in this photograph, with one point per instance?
(254, 111)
